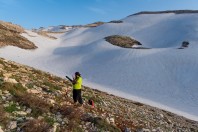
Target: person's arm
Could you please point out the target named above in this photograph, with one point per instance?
(74, 81)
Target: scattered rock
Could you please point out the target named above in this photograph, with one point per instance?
(21, 113)
(10, 80)
(66, 120)
(161, 115)
(7, 75)
(40, 117)
(127, 130)
(12, 125)
(112, 120)
(143, 130)
(1, 129)
(54, 129)
(51, 101)
(28, 111)
(3, 98)
(33, 91)
(107, 120)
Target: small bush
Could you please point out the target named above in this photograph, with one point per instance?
(35, 71)
(49, 120)
(104, 126)
(14, 89)
(66, 110)
(36, 126)
(38, 105)
(30, 85)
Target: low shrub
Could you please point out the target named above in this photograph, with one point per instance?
(104, 125)
(38, 105)
(36, 126)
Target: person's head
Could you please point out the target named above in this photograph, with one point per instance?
(77, 74)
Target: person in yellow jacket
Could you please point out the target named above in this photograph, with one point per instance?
(77, 85)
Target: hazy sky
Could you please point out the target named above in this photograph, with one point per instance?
(37, 13)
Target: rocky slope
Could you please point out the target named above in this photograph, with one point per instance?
(122, 41)
(32, 100)
(10, 35)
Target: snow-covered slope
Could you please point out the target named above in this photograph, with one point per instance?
(163, 76)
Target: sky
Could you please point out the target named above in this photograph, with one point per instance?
(43, 13)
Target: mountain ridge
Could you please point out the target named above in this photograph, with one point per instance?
(165, 12)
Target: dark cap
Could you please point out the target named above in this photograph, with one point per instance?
(77, 74)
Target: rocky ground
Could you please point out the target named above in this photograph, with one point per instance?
(122, 41)
(35, 101)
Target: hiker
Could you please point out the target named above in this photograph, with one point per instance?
(77, 85)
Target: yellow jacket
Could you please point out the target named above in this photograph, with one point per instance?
(77, 83)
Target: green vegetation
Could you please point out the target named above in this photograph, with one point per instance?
(49, 120)
(51, 86)
(30, 85)
(14, 89)
(38, 105)
(16, 77)
(11, 108)
(104, 126)
(38, 72)
(77, 129)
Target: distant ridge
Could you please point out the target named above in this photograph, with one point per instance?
(168, 11)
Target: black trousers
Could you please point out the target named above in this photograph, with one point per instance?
(77, 96)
